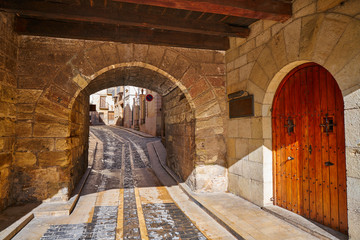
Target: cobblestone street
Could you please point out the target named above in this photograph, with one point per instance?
(123, 199)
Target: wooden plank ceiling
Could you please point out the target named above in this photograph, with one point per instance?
(204, 24)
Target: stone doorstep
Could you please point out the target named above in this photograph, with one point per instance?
(304, 224)
(130, 130)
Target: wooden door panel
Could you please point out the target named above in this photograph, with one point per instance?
(309, 161)
(305, 143)
(310, 102)
(324, 149)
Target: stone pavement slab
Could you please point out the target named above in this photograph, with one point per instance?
(245, 218)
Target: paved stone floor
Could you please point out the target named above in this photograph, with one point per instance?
(123, 199)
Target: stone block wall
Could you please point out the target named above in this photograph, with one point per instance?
(179, 135)
(44, 117)
(8, 126)
(79, 138)
(324, 32)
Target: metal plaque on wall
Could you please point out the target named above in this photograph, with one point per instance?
(241, 107)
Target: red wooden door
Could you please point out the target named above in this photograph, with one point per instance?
(309, 146)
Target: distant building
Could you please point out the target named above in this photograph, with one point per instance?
(104, 102)
(119, 106)
(127, 106)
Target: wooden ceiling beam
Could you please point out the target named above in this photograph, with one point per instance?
(51, 10)
(257, 9)
(115, 33)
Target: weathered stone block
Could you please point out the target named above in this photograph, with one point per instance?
(346, 77)
(231, 147)
(331, 30)
(263, 38)
(23, 129)
(27, 95)
(198, 87)
(244, 128)
(51, 130)
(258, 92)
(204, 98)
(7, 110)
(110, 53)
(47, 107)
(6, 159)
(25, 108)
(8, 94)
(35, 144)
(57, 95)
(155, 54)
(352, 130)
(353, 162)
(168, 60)
(323, 5)
(231, 54)
(54, 159)
(256, 128)
(216, 82)
(309, 9)
(242, 148)
(254, 171)
(256, 28)
(297, 5)
(241, 61)
(259, 76)
(62, 144)
(210, 178)
(25, 159)
(247, 47)
(211, 69)
(264, 59)
(309, 34)
(7, 127)
(179, 68)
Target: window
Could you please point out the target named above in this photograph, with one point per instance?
(103, 104)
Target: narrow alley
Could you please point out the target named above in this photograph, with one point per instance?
(124, 199)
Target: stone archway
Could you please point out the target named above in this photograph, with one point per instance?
(199, 74)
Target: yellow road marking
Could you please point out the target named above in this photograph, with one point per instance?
(142, 225)
(91, 214)
(99, 198)
(120, 219)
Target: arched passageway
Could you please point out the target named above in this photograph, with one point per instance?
(191, 82)
(178, 115)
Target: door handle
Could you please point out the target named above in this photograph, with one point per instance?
(310, 149)
(328, 164)
(290, 158)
